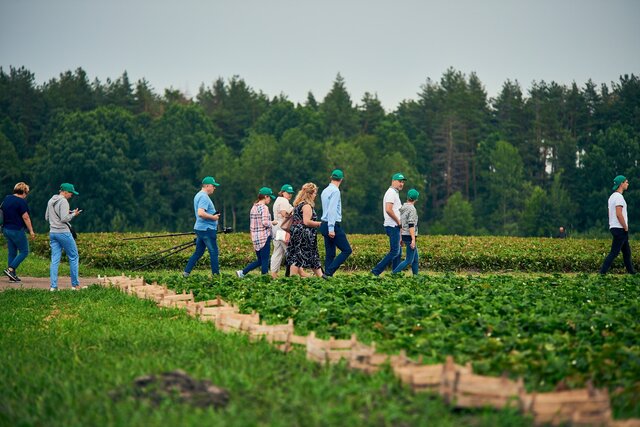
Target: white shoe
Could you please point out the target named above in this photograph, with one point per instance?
(240, 274)
(185, 274)
(53, 289)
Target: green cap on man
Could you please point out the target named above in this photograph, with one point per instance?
(210, 181)
(337, 174)
(68, 188)
(287, 188)
(617, 181)
(413, 194)
(266, 191)
(398, 177)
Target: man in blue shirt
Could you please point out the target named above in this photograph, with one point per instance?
(334, 236)
(206, 227)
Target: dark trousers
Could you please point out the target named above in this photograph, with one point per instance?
(331, 261)
(620, 243)
(262, 259)
(393, 257)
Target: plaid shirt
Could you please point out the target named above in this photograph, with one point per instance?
(260, 225)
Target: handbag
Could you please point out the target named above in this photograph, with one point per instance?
(281, 235)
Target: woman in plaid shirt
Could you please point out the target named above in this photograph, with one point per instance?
(260, 225)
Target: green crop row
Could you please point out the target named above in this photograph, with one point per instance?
(546, 329)
(439, 253)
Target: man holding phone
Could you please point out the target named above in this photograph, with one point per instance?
(60, 238)
(206, 227)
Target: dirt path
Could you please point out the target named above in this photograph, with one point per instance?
(64, 282)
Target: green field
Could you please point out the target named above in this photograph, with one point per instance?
(548, 328)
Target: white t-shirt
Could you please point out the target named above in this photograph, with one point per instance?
(281, 204)
(616, 199)
(391, 196)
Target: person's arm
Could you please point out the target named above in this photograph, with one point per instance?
(265, 216)
(332, 212)
(63, 211)
(307, 214)
(202, 213)
(621, 218)
(388, 207)
(27, 221)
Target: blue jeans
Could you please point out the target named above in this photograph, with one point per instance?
(620, 243)
(18, 246)
(63, 242)
(262, 259)
(393, 257)
(331, 262)
(411, 258)
(205, 239)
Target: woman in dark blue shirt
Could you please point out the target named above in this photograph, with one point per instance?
(16, 220)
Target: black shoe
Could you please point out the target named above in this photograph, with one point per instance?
(15, 279)
(12, 275)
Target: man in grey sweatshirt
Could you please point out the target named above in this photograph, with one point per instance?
(60, 238)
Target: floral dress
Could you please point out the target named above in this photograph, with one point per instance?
(303, 245)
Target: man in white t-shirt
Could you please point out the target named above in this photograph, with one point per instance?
(391, 205)
(618, 226)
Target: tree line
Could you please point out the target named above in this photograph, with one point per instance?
(522, 163)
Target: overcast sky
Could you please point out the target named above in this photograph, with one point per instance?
(292, 47)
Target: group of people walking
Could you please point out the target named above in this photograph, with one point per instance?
(293, 229)
(17, 220)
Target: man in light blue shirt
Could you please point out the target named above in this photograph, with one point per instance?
(334, 236)
(206, 227)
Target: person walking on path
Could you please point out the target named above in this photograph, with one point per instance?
(391, 211)
(60, 238)
(618, 226)
(260, 225)
(409, 232)
(282, 210)
(205, 227)
(16, 220)
(303, 246)
(330, 228)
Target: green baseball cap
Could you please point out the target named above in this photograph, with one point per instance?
(266, 191)
(68, 188)
(413, 194)
(398, 177)
(287, 188)
(337, 174)
(210, 180)
(617, 181)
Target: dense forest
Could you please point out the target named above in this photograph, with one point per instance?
(521, 163)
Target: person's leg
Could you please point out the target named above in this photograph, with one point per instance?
(394, 245)
(341, 242)
(69, 246)
(276, 259)
(414, 264)
(56, 253)
(408, 257)
(329, 247)
(210, 240)
(21, 244)
(396, 260)
(264, 256)
(197, 254)
(626, 254)
(11, 246)
(258, 262)
(616, 246)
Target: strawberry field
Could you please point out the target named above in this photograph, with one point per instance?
(553, 329)
(439, 253)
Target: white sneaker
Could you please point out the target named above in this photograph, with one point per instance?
(185, 274)
(53, 289)
(240, 274)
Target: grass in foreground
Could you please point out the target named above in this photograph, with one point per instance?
(63, 353)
